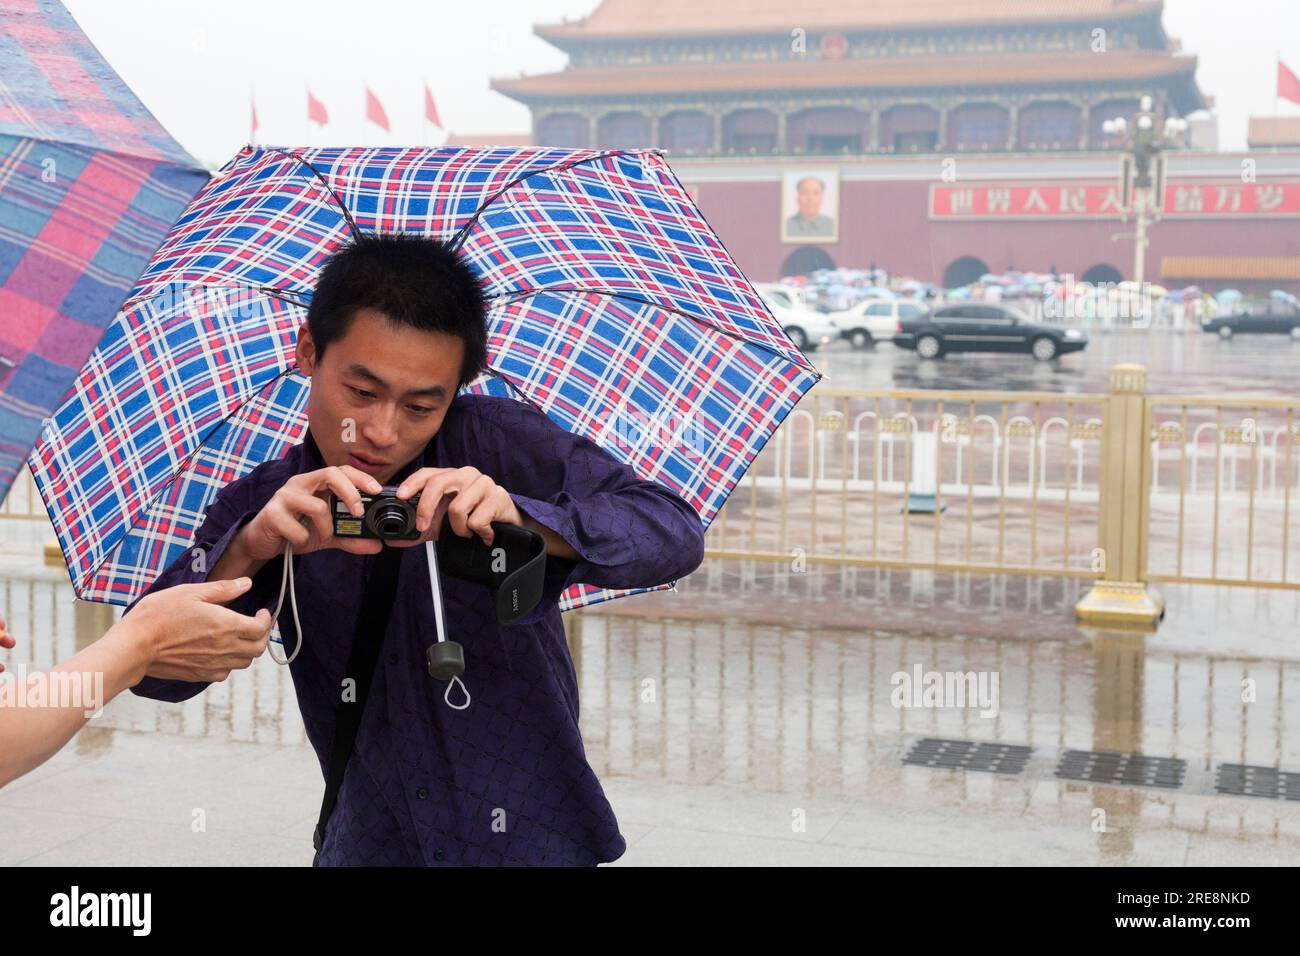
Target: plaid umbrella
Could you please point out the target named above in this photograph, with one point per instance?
(89, 185)
(614, 308)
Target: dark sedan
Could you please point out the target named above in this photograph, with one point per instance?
(970, 327)
(1277, 316)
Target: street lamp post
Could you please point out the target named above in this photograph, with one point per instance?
(1143, 167)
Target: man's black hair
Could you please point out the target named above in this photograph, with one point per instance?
(413, 280)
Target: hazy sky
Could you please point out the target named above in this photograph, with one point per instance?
(194, 62)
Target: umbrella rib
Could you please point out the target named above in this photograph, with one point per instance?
(519, 389)
(324, 184)
(459, 239)
(657, 305)
(273, 293)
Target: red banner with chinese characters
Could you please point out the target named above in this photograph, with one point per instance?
(1184, 199)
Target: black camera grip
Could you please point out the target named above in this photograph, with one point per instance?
(518, 587)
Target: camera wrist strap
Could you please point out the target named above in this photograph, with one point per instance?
(286, 579)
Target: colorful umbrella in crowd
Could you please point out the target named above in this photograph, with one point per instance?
(612, 303)
(89, 185)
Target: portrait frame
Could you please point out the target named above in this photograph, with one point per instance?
(795, 231)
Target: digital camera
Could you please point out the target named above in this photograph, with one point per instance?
(386, 516)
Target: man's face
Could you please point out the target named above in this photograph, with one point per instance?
(810, 198)
(394, 383)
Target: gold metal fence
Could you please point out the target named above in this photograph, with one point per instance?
(1122, 487)
(1002, 482)
(1225, 474)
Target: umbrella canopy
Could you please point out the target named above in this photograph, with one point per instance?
(91, 184)
(613, 308)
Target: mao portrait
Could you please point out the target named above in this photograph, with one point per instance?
(810, 205)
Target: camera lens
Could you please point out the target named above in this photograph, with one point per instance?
(391, 521)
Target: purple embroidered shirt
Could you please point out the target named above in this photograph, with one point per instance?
(505, 781)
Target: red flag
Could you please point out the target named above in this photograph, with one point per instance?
(316, 110)
(252, 132)
(430, 111)
(1288, 84)
(375, 111)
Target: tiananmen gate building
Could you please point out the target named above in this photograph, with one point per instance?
(939, 139)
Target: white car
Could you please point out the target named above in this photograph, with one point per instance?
(792, 297)
(874, 320)
(807, 328)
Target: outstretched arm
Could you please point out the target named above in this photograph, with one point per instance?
(181, 631)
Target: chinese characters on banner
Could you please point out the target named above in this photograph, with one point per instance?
(1183, 199)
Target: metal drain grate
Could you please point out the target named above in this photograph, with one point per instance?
(1247, 781)
(968, 755)
(1104, 766)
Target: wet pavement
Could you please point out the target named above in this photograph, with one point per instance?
(748, 719)
(1181, 362)
(751, 716)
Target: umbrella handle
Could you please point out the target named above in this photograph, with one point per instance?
(446, 658)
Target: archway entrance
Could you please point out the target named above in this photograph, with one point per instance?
(805, 260)
(963, 271)
(1102, 272)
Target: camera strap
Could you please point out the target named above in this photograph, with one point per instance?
(372, 624)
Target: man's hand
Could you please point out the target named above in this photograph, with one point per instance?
(191, 637)
(470, 498)
(299, 514)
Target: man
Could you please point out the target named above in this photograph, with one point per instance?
(396, 327)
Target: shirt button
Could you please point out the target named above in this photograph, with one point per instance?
(421, 793)
(438, 854)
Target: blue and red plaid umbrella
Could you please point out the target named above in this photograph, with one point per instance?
(89, 185)
(614, 308)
